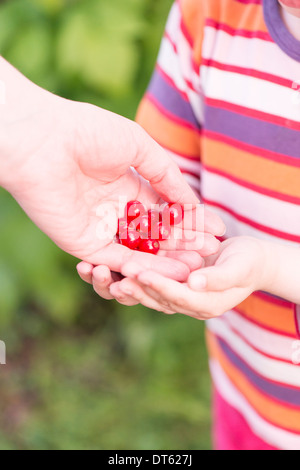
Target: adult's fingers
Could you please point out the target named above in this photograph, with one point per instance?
(154, 164)
(205, 243)
(85, 271)
(115, 256)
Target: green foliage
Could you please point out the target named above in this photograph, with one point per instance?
(82, 372)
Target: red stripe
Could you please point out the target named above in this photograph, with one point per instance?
(248, 72)
(249, 2)
(191, 173)
(169, 115)
(262, 392)
(251, 223)
(238, 32)
(262, 325)
(183, 27)
(253, 113)
(263, 353)
(252, 186)
(168, 37)
(274, 300)
(194, 158)
(276, 157)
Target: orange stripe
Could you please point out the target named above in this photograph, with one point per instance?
(272, 411)
(237, 15)
(271, 315)
(251, 168)
(193, 17)
(166, 132)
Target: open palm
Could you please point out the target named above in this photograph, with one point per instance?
(82, 160)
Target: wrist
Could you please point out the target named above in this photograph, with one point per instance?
(26, 115)
(268, 267)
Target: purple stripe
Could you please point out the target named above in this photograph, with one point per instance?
(279, 392)
(252, 131)
(171, 99)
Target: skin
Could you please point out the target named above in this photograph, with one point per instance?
(242, 265)
(290, 11)
(62, 160)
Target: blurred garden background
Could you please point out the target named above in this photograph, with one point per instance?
(83, 373)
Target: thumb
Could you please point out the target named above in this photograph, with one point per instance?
(215, 278)
(156, 166)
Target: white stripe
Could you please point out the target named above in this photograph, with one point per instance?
(179, 68)
(236, 228)
(248, 53)
(271, 369)
(273, 344)
(173, 23)
(186, 163)
(250, 92)
(262, 209)
(271, 434)
(193, 182)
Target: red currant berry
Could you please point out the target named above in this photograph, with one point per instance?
(149, 246)
(130, 238)
(163, 230)
(123, 224)
(134, 209)
(172, 214)
(154, 217)
(142, 226)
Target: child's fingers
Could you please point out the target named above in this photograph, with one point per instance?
(102, 280)
(191, 258)
(122, 297)
(130, 288)
(85, 271)
(216, 278)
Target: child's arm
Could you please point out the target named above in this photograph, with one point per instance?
(242, 266)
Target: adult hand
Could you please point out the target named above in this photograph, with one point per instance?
(61, 160)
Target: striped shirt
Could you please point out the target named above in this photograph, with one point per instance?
(225, 102)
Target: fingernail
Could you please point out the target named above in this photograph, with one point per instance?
(197, 282)
(225, 230)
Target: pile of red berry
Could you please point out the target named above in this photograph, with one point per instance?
(142, 230)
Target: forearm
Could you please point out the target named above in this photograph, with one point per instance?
(23, 107)
(282, 271)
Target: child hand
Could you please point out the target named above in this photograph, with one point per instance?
(229, 277)
(105, 282)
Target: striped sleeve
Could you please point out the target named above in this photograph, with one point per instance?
(172, 108)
